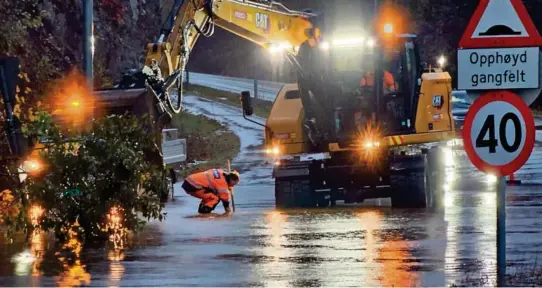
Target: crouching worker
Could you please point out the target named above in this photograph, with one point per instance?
(211, 186)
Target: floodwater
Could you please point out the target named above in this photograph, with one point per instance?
(349, 245)
(367, 245)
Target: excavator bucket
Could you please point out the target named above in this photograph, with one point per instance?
(137, 102)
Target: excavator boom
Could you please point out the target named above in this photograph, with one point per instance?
(270, 25)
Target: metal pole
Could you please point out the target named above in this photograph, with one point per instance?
(231, 191)
(9, 113)
(501, 232)
(88, 42)
(376, 7)
(255, 89)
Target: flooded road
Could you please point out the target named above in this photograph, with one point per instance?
(369, 245)
(360, 245)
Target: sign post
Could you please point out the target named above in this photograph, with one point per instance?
(500, 50)
(499, 136)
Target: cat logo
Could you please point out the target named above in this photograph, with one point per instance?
(437, 101)
(262, 21)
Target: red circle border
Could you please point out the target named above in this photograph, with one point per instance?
(521, 159)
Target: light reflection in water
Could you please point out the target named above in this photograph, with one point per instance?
(273, 251)
(116, 268)
(74, 273)
(29, 260)
(486, 219)
(393, 255)
(471, 227)
(37, 240)
(370, 223)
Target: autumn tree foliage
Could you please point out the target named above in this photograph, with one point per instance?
(84, 178)
(47, 36)
(86, 173)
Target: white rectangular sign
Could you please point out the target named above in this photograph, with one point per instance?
(501, 68)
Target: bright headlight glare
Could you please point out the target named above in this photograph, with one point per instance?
(279, 47)
(348, 41)
(324, 45)
(491, 179)
(371, 144)
(448, 157)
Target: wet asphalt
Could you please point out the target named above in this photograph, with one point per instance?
(367, 244)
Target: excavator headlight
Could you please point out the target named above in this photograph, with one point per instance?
(371, 144)
(275, 151)
(276, 48)
(355, 41)
(324, 45)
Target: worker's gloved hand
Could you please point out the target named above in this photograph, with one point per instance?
(227, 206)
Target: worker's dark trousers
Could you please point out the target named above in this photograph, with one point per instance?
(209, 201)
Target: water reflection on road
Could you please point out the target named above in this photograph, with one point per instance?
(371, 245)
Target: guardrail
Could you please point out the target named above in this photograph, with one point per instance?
(173, 149)
(259, 89)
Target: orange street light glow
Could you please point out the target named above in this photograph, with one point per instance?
(76, 103)
(388, 28)
(32, 165)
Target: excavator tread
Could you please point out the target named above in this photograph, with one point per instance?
(294, 193)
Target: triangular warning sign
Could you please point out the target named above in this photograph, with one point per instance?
(500, 23)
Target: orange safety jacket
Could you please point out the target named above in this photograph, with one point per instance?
(369, 80)
(212, 179)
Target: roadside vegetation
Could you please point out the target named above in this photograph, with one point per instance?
(209, 143)
(261, 107)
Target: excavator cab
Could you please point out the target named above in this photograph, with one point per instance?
(366, 82)
(396, 107)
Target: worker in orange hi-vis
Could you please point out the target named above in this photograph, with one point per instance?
(211, 186)
(368, 80)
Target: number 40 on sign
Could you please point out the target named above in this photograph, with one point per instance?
(499, 132)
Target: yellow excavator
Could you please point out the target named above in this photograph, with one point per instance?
(358, 124)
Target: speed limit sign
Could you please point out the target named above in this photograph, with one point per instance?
(499, 132)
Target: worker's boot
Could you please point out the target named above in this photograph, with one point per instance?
(203, 209)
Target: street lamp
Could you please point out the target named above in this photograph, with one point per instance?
(441, 61)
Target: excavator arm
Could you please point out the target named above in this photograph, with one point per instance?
(272, 26)
(150, 91)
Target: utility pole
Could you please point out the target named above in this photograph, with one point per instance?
(88, 42)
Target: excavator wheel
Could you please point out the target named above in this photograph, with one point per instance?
(409, 184)
(294, 193)
(419, 182)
